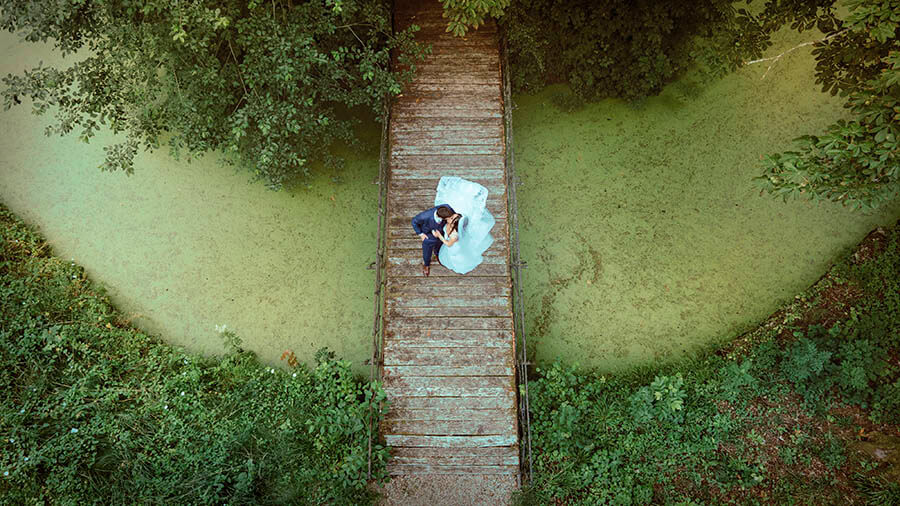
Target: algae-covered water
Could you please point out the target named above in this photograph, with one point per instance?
(644, 237)
(188, 246)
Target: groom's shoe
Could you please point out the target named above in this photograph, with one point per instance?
(426, 270)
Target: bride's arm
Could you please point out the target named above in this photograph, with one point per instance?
(451, 240)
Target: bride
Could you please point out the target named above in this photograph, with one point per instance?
(466, 235)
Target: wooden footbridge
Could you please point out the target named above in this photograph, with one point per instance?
(448, 347)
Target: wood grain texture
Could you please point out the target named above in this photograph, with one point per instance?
(448, 352)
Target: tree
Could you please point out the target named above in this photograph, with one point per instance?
(267, 83)
(857, 161)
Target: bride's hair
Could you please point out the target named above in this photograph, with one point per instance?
(455, 225)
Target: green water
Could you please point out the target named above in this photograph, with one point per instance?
(643, 235)
(185, 247)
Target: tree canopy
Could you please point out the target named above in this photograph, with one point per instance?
(855, 161)
(267, 83)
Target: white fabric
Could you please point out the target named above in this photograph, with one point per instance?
(468, 199)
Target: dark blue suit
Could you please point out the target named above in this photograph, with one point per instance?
(423, 223)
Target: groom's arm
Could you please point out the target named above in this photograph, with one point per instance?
(419, 220)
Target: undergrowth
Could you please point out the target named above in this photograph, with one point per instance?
(93, 411)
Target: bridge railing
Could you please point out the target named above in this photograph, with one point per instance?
(516, 265)
(381, 243)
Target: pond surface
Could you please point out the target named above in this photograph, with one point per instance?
(187, 246)
(644, 237)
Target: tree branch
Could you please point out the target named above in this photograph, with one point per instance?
(774, 59)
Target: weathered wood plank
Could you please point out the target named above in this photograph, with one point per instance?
(424, 136)
(444, 370)
(408, 290)
(481, 169)
(462, 282)
(450, 403)
(438, 271)
(399, 326)
(400, 302)
(414, 115)
(469, 461)
(450, 441)
(458, 356)
(449, 338)
(448, 124)
(456, 161)
(435, 148)
(508, 413)
(411, 469)
(448, 427)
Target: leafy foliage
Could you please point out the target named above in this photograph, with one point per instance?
(465, 14)
(95, 412)
(856, 161)
(267, 83)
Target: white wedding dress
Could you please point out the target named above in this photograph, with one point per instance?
(468, 199)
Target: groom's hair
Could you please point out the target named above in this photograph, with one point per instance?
(444, 212)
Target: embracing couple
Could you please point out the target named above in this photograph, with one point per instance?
(459, 221)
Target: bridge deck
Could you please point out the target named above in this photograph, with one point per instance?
(449, 347)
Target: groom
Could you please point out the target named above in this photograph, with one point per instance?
(424, 224)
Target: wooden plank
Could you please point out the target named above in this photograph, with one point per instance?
(450, 338)
(410, 290)
(400, 302)
(449, 403)
(469, 460)
(489, 79)
(448, 427)
(458, 356)
(456, 161)
(454, 311)
(416, 114)
(443, 370)
(443, 148)
(450, 441)
(508, 413)
(462, 282)
(448, 124)
(402, 470)
(490, 135)
(438, 271)
(482, 170)
(396, 326)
